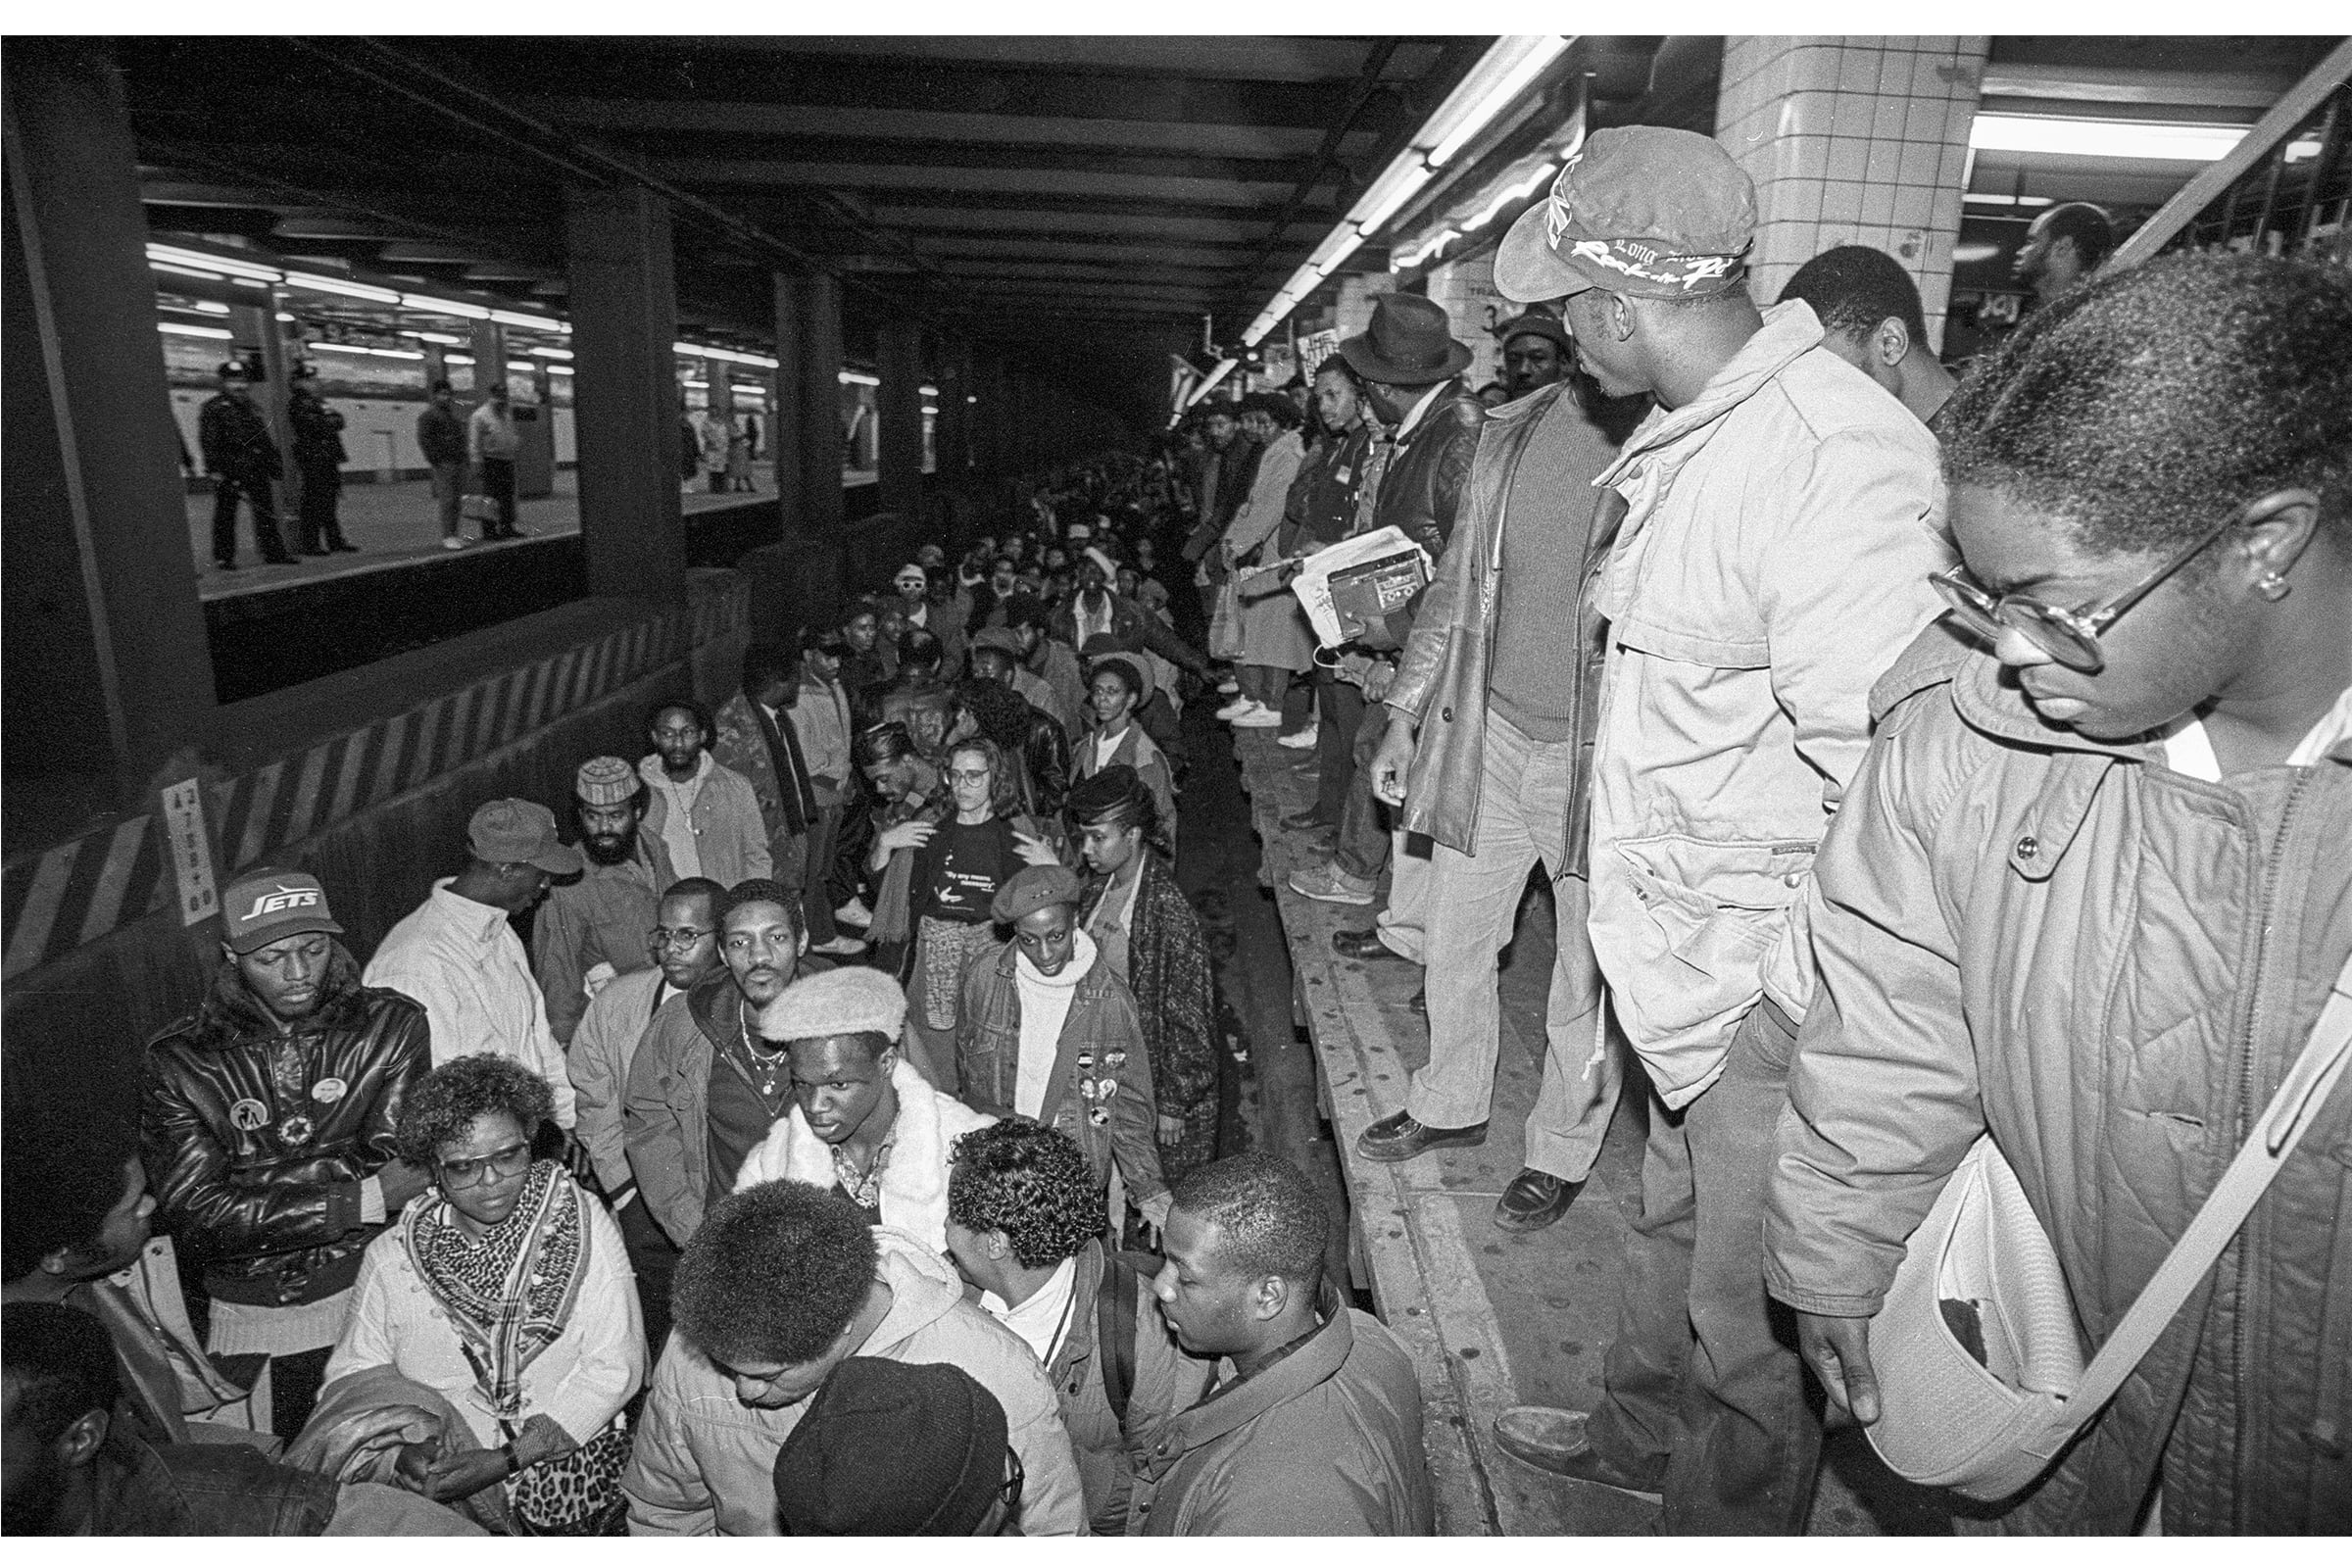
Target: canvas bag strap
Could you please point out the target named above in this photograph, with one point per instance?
(2283, 1123)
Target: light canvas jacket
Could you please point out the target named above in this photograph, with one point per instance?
(1773, 561)
(704, 1462)
(729, 832)
(2109, 965)
(915, 1183)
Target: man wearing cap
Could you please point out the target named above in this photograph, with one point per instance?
(1783, 517)
(457, 955)
(1048, 1031)
(319, 456)
(914, 584)
(893, 1450)
(593, 929)
(782, 1285)
(266, 1122)
(860, 1119)
(1536, 353)
(1410, 366)
(1497, 686)
(243, 461)
(706, 1085)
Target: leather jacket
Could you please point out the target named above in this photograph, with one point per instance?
(256, 1142)
(1046, 752)
(1423, 485)
(1441, 682)
(205, 1488)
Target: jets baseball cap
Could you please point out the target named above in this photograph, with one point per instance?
(520, 833)
(1640, 210)
(264, 905)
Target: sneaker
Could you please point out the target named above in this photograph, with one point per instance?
(453, 541)
(1237, 707)
(1328, 884)
(855, 912)
(1258, 717)
(1303, 741)
(1227, 686)
(840, 948)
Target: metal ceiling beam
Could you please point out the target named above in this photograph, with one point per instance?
(1063, 183)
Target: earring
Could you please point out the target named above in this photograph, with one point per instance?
(2273, 587)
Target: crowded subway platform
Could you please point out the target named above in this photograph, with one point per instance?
(1187, 786)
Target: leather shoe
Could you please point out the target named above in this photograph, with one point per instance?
(1365, 945)
(1534, 1200)
(1399, 1137)
(1555, 1441)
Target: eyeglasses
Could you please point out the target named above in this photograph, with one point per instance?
(513, 1160)
(967, 775)
(2068, 636)
(684, 935)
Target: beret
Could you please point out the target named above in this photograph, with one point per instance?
(838, 1002)
(1032, 888)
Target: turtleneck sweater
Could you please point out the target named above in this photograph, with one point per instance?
(1044, 1007)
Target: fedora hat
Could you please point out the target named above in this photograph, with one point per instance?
(1410, 343)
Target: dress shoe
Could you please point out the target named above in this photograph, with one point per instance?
(1534, 1200)
(1399, 1137)
(1366, 946)
(1555, 1441)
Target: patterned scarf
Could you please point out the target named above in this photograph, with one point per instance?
(509, 1294)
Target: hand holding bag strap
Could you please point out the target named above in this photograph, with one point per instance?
(2283, 1123)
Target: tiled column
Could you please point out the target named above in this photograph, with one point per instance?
(1853, 141)
(1466, 288)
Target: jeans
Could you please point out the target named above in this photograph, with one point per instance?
(1341, 709)
(1363, 842)
(1473, 898)
(449, 495)
(498, 483)
(256, 492)
(1702, 1388)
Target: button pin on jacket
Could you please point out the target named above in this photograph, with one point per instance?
(248, 1115)
(326, 1091)
(2027, 847)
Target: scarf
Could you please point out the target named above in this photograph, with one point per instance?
(893, 900)
(1045, 1008)
(510, 1293)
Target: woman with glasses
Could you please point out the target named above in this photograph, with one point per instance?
(506, 1291)
(2093, 883)
(956, 861)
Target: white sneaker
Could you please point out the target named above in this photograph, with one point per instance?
(1303, 741)
(1237, 707)
(855, 912)
(1227, 686)
(1259, 716)
(453, 541)
(840, 948)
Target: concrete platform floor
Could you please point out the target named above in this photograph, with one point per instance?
(1494, 1319)
(397, 525)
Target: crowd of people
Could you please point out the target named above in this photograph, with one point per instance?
(1913, 761)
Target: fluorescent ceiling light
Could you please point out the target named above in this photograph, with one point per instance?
(185, 272)
(1223, 370)
(2008, 201)
(525, 367)
(441, 307)
(1969, 255)
(551, 354)
(703, 384)
(191, 329)
(361, 348)
(537, 323)
(2114, 138)
(283, 316)
(928, 390)
(1491, 88)
(457, 358)
(246, 271)
(430, 337)
(860, 378)
(341, 286)
(1502, 74)
(559, 370)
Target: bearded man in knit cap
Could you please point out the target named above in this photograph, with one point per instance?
(592, 929)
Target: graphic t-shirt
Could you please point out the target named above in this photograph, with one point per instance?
(971, 862)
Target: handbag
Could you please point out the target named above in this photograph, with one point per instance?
(1977, 1355)
(576, 1494)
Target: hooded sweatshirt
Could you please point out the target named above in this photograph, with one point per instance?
(704, 1462)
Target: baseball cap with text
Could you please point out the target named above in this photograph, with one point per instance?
(1640, 210)
(269, 904)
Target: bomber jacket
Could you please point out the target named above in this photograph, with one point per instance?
(1165, 1381)
(258, 1142)
(2109, 967)
(1101, 1069)
(1773, 563)
(1443, 679)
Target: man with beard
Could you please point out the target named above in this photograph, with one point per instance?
(684, 945)
(267, 1121)
(705, 1087)
(592, 929)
